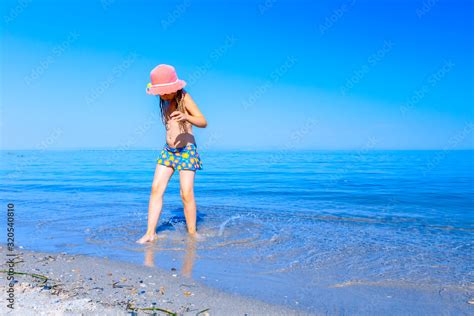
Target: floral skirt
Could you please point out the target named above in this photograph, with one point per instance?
(181, 158)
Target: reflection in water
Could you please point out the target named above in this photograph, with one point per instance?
(189, 253)
(189, 257)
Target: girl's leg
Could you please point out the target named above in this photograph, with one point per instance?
(158, 187)
(186, 179)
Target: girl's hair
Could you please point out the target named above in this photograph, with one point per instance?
(179, 99)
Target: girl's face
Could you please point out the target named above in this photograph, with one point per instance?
(168, 97)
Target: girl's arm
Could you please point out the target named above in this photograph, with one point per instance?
(194, 116)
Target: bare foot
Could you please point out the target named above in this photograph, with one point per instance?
(147, 238)
(196, 236)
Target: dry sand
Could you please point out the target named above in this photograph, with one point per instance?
(83, 285)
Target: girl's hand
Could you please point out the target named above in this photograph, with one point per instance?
(179, 116)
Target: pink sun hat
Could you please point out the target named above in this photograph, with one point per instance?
(164, 80)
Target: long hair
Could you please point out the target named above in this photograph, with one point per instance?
(179, 99)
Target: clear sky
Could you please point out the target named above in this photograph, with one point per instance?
(270, 74)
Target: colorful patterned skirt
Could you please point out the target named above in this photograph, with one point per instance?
(181, 158)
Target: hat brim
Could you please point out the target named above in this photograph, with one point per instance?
(159, 90)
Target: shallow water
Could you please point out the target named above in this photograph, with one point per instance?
(296, 228)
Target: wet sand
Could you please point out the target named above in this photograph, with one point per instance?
(69, 284)
(64, 284)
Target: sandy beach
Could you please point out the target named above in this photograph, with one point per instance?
(64, 284)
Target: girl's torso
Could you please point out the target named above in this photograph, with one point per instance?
(177, 136)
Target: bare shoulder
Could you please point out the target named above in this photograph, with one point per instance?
(188, 98)
(190, 105)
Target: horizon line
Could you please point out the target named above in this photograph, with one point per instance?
(239, 149)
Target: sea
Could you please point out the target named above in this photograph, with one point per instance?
(337, 232)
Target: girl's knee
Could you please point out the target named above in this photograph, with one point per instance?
(187, 195)
(158, 189)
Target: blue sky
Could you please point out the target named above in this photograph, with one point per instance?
(266, 74)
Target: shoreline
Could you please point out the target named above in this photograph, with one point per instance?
(81, 284)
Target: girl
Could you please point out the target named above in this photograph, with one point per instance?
(178, 113)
